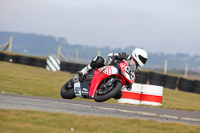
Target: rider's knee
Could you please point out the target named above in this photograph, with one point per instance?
(97, 62)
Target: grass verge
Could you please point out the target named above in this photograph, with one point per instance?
(33, 81)
(19, 121)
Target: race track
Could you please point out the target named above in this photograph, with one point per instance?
(98, 109)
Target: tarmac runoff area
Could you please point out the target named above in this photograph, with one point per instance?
(77, 107)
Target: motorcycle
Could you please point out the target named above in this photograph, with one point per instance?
(100, 84)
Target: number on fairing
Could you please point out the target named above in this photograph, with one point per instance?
(128, 73)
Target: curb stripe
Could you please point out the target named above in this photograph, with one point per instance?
(131, 95)
(152, 98)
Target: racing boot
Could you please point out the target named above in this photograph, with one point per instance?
(84, 70)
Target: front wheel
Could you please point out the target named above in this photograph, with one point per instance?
(104, 94)
(67, 91)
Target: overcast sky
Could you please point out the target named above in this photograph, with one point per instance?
(156, 25)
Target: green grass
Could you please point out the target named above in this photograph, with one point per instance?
(173, 99)
(33, 81)
(18, 121)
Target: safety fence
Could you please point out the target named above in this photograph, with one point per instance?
(144, 77)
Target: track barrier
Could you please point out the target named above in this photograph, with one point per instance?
(197, 86)
(133, 96)
(156, 79)
(53, 63)
(186, 85)
(142, 77)
(152, 95)
(143, 94)
(170, 82)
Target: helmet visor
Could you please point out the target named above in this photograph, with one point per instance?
(143, 60)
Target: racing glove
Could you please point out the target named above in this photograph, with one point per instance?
(116, 56)
(122, 56)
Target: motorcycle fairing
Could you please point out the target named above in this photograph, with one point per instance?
(99, 75)
(82, 89)
(85, 89)
(77, 89)
(130, 77)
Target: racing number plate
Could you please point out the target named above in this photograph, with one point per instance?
(77, 89)
(81, 89)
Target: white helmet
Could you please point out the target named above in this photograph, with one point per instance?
(140, 56)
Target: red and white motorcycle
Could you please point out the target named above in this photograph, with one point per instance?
(100, 84)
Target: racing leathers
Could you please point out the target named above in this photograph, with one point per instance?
(99, 61)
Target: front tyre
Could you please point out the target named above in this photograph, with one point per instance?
(67, 91)
(116, 88)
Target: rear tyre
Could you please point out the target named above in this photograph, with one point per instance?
(67, 91)
(110, 94)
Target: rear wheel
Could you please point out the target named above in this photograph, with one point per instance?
(108, 89)
(67, 91)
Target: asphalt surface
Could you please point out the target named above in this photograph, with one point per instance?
(97, 109)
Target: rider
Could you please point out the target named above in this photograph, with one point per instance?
(138, 57)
